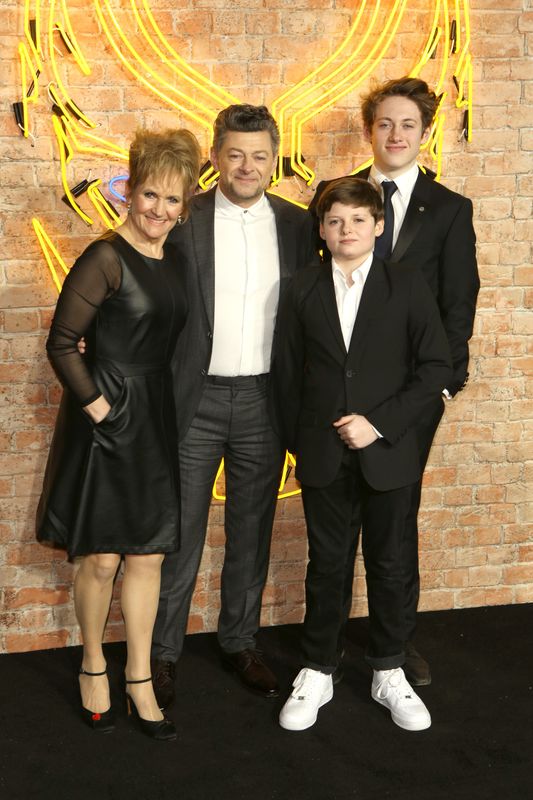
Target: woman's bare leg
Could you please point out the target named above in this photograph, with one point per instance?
(140, 597)
(93, 588)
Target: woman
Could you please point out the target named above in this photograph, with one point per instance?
(110, 487)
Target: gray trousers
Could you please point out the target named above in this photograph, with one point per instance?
(233, 423)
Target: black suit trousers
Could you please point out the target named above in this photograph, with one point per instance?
(426, 427)
(332, 516)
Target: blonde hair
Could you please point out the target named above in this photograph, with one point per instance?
(160, 154)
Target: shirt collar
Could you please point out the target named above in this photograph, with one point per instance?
(226, 207)
(363, 270)
(405, 182)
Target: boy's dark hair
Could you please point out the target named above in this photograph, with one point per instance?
(415, 89)
(350, 191)
(245, 118)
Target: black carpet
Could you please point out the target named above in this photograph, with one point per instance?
(230, 746)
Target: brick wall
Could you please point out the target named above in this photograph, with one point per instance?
(476, 543)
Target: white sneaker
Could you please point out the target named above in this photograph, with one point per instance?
(391, 689)
(312, 689)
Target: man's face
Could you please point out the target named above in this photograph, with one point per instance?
(350, 232)
(396, 135)
(246, 164)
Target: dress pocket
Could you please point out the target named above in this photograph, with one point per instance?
(114, 415)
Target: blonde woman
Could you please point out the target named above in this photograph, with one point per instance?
(111, 483)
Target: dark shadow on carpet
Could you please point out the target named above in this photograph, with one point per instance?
(230, 746)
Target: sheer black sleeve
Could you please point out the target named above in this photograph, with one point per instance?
(94, 278)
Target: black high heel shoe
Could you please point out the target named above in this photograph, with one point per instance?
(100, 721)
(162, 729)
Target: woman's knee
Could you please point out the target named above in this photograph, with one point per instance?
(144, 564)
(101, 566)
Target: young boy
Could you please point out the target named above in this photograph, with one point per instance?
(361, 353)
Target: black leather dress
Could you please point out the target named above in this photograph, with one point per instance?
(112, 487)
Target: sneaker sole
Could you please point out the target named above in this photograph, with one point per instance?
(406, 725)
(292, 727)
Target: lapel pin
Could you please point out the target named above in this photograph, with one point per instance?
(421, 208)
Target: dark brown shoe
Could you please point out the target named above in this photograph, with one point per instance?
(252, 671)
(416, 668)
(164, 676)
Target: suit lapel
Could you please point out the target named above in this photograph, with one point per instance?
(283, 232)
(373, 298)
(418, 207)
(203, 245)
(326, 292)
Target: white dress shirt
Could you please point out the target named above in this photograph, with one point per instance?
(349, 297)
(246, 287)
(400, 199)
(348, 300)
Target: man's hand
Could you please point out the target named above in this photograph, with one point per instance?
(82, 346)
(355, 431)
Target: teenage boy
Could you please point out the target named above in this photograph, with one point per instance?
(429, 227)
(361, 353)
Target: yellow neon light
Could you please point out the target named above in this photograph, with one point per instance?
(105, 148)
(220, 96)
(290, 463)
(343, 87)
(65, 154)
(34, 47)
(208, 177)
(458, 25)
(107, 214)
(26, 63)
(52, 27)
(225, 97)
(280, 115)
(463, 71)
(206, 123)
(49, 250)
(71, 42)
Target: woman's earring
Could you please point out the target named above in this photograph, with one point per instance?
(180, 220)
(128, 208)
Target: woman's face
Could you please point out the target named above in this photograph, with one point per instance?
(156, 205)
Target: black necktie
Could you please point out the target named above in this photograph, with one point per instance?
(383, 246)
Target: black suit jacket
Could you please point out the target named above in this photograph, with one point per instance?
(437, 236)
(396, 366)
(195, 241)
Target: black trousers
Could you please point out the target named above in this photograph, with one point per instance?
(332, 515)
(426, 428)
(233, 423)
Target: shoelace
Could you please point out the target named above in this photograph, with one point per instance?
(305, 684)
(397, 682)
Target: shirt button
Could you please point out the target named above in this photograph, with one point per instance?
(350, 373)
(203, 372)
(209, 335)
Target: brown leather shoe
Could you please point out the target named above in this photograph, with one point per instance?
(416, 668)
(163, 677)
(252, 671)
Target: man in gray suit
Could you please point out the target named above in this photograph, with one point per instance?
(242, 246)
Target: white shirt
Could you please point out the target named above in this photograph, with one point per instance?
(246, 287)
(401, 197)
(349, 297)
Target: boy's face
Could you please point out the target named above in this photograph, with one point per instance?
(350, 232)
(396, 135)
